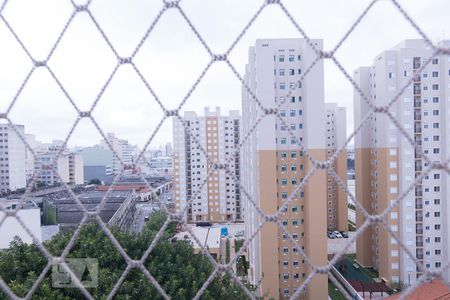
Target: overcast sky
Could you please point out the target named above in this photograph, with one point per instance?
(172, 57)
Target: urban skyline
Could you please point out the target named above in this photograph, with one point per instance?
(169, 66)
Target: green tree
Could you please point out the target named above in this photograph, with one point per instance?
(95, 181)
(174, 265)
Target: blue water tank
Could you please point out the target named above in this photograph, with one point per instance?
(223, 231)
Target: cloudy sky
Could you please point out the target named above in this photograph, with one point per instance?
(172, 57)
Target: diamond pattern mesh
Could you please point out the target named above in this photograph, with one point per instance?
(79, 9)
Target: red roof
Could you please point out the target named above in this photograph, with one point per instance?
(433, 290)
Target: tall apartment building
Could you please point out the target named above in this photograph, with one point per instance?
(336, 136)
(273, 165)
(12, 158)
(123, 152)
(387, 164)
(219, 200)
(67, 168)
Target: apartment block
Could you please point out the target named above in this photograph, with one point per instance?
(387, 164)
(123, 151)
(336, 136)
(273, 164)
(12, 158)
(67, 167)
(216, 198)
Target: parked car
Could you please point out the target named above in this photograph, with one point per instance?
(331, 235)
(337, 234)
(239, 234)
(344, 234)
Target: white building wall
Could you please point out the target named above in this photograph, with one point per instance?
(16, 157)
(11, 227)
(382, 82)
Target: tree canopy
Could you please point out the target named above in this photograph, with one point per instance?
(179, 271)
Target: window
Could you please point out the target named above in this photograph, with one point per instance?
(284, 195)
(294, 208)
(437, 239)
(294, 181)
(283, 113)
(283, 141)
(437, 201)
(295, 263)
(436, 150)
(435, 112)
(282, 86)
(437, 226)
(283, 168)
(435, 125)
(291, 72)
(281, 58)
(437, 188)
(285, 263)
(292, 99)
(437, 214)
(435, 138)
(435, 74)
(281, 72)
(292, 113)
(435, 99)
(291, 57)
(300, 112)
(285, 222)
(284, 181)
(436, 176)
(283, 154)
(435, 87)
(295, 222)
(293, 168)
(293, 154)
(285, 250)
(435, 61)
(437, 252)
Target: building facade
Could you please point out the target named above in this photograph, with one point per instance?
(336, 136)
(51, 170)
(219, 199)
(387, 164)
(273, 164)
(12, 158)
(123, 151)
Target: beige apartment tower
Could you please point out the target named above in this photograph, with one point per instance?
(273, 165)
(336, 136)
(211, 194)
(387, 164)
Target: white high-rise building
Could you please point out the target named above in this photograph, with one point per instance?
(29, 157)
(219, 200)
(273, 164)
(123, 152)
(68, 167)
(12, 158)
(387, 164)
